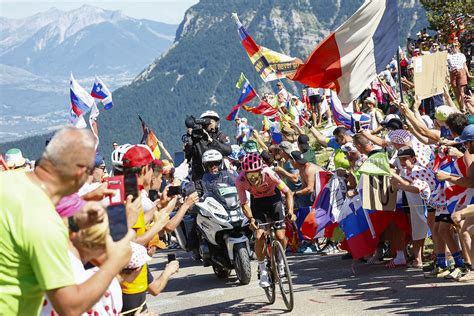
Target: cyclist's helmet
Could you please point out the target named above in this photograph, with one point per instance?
(252, 162)
(211, 155)
(117, 156)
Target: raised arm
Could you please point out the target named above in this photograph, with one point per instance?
(374, 139)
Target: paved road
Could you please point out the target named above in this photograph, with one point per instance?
(323, 285)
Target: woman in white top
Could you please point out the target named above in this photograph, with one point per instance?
(458, 73)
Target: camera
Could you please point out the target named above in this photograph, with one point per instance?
(197, 126)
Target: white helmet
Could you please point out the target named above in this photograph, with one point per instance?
(211, 155)
(117, 156)
(210, 114)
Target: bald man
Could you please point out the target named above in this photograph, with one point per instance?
(35, 243)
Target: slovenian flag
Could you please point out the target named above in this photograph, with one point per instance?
(352, 56)
(355, 224)
(247, 94)
(81, 101)
(101, 92)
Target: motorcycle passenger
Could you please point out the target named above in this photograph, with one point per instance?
(265, 188)
(212, 138)
(213, 164)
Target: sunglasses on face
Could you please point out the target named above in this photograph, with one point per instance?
(214, 163)
(252, 175)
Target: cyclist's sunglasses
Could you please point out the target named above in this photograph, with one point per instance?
(252, 175)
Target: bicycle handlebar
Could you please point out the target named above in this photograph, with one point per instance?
(270, 223)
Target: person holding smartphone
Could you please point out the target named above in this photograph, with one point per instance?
(137, 161)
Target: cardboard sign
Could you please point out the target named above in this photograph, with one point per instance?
(377, 193)
(430, 74)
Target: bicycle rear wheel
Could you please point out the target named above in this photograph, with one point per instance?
(284, 281)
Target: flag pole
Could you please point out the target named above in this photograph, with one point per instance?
(399, 75)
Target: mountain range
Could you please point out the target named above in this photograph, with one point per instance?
(200, 69)
(38, 53)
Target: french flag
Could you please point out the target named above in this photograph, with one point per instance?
(455, 194)
(81, 101)
(101, 92)
(354, 222)
(352, 56)
(248, 93)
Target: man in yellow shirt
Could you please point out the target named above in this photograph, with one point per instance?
(34, 241)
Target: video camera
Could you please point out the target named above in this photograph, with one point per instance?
(197, 125)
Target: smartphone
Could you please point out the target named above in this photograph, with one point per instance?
(175, 190)
(117, 221)
(153, 195)
(171, 257)
(357, 126)
(116, 184)
(467, 91)
(131, 186)
(178, 158)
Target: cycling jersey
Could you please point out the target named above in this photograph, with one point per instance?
(270, 182)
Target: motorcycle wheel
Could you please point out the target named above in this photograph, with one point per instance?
(243, 269)
(221, 273)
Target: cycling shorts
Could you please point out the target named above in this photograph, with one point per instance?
(268, 209)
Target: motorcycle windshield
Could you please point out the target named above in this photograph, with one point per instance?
(227, 196)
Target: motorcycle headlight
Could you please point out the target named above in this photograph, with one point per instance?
(224, 217)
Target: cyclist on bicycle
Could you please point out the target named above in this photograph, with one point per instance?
(265, 188)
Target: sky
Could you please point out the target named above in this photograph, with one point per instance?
(168, 11)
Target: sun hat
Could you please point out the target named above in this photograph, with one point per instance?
(139, 256)
(14, 158)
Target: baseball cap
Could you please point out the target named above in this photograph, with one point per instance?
(297, 156)
(99, 160)
(138, 156)
(288, 147)
(348, 147)
(406, 151)
(428, 121)
(442, 112)
(243, 120)
(250, 147)
(303, 142)
(393, 124)
(467, 134)
(370, 100)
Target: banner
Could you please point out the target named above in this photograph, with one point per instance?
(430, 73)
(377, 164)
(269, 64)
(377, 193)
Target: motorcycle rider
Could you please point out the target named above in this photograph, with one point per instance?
(212, 138)
(215, 174)
(266, 189)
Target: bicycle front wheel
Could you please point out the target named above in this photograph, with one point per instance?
(283, 275)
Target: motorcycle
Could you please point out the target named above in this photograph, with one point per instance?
(223, 232)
